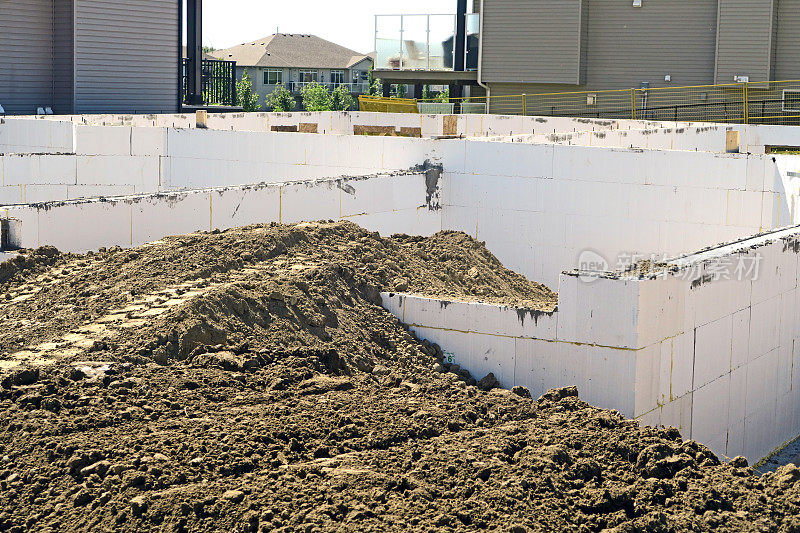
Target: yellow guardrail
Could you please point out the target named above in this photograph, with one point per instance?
(770, 102)
(387, 105)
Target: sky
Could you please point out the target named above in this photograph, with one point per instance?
(350, 23)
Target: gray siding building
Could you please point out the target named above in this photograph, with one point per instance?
(540, 46)
(90, 56)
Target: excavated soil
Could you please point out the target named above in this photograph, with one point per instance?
(249, 380)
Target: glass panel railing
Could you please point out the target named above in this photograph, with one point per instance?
(442, 35)
(415, 43)
(473, 41)
(422, 42)
(388, 41)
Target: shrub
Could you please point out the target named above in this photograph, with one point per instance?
(281, 99)
(316, 97)
(341, 99)
(245, 97)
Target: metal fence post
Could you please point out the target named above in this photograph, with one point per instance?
(633, 103)
(524, 104)
(745, 109)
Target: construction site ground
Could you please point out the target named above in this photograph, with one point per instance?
(249, 380)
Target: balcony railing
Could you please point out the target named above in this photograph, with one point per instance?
(424, 42)
(218, 82)
(355, 88)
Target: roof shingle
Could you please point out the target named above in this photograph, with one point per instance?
(293, 50)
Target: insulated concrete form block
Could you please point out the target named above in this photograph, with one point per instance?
(762, 379)
(102, 140)
(743, 208)
(737, 396)
(490, 354)
(23, 135)
(647, 383)
(311, 201)
(19, 169)
(139, 171)
(394, 303)
(740, 338)
(503, 125)
(257, 204)
(756, 170)
(710, 414)
(149, 141)
(12, 194)
(764, 320)
(710, 301)
(676, 367)
(57, 169)
(79, 227)
(601, 164)
(400, 153)
(712, 356)
(34, 194)
(612, 377)
(509, 159)
(678, 414)
(761, 135)
(662, 305)
(451, 154)
(599, 311)
(418, 221)
(759, 433)
(153, 217)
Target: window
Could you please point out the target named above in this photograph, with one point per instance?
(337, 77)
(273, 76)
(307, 76)
(791, 100)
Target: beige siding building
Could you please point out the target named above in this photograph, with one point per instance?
(296, 60)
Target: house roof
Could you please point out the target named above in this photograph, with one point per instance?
(294, 50)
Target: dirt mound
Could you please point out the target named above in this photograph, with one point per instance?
(249, 381)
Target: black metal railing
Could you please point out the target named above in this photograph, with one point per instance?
(218, 82)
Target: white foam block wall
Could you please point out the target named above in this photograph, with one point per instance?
(342, 122)
(19, 135)
(538, 207)
(386, 203)
(714, 357)
(723, 350)
(683, 136)
(539, 351)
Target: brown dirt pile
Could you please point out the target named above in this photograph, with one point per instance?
(249, 381)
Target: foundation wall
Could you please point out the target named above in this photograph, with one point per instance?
(386, 203)
(704, 137)
(540, 207)
(330, 122)
(709, 353)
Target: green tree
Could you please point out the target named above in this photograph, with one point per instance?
(316, 97)
(427, 94)
(245, 97)
(341, 99)
(281, 99)
(444, 96)
(399, 91)
(373, 84)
